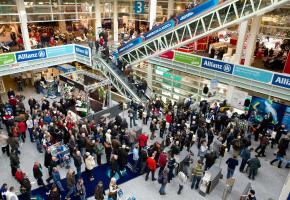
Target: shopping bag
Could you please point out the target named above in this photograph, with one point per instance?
(120, 193)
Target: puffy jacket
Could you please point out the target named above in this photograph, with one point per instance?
(37, 171)
(90, 162)
(142, 140)
(21, 127)
(162, 160)
(197, 171)
(151, 164)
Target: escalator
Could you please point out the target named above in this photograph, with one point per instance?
(193, 25)
(119, 81)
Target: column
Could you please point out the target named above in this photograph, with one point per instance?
(61, 23)
(98, 18)
(241, 39)
(152, 13)
(149, 79)
(23, 24)
(170, 8)
(251, 43)
(115, 17)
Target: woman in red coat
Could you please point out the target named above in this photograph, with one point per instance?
(151, 165)
(22, 130)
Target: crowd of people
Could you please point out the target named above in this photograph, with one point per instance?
(185, 126)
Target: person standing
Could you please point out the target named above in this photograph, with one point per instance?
(151, 165)
(14, 162)
(53, 193)
(99, 191)
(135, 158)
(81, 189)
(90, 165)
(162, 161)
(163, 181)
(113, 189)
(196, 175)
(254, 164)
(56, 178)
(245, 155)
(70, 183)
(37, 173)
(78, 163)
(11, 194)
(279, 156)
(143, 160)
(171, 166)
(232, 163)
(26, 187)
(29, 124)
(3, 191)
(182, 178)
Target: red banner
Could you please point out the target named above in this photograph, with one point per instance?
(168, 55)
(287, 65)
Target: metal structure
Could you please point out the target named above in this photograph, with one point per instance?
(263, 88)
(225, 15)
(118, 83)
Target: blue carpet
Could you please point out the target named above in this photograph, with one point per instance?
(99, 173)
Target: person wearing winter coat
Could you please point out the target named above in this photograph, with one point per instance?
(99, 191)
(78, 163)
(26, 187)
(56, 178)
(54, 193)
(197, 174)
(37, 173)
(90, 165)
(163, 181)
(14, 162)
(151, 165)
(254, 164)
(162, 161)
(70, 183)
(182, 178)
(245, 155)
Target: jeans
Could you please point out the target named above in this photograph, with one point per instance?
(132, 121)
(253, 173)
(162, 188)
(195, 182)
(31, 134)
(180, 189)
(38, 145)
(135, 164)
(243, 164)
(70, 192)
(59, 185)
(152, 173)
(78, 175)
(160, 170)
(142, 166)
(230, 173)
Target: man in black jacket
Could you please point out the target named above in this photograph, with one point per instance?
(78, 163)
(26, 188)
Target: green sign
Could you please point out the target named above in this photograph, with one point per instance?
(174, 78)
(188, 59)
(7, 59)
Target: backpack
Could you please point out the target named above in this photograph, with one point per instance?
(160, 178)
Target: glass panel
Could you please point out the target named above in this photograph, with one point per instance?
(63, 9)
(8, 9)
(5, 19)
(32, 18)
(8, 2)
(36, 2)
(38, 9)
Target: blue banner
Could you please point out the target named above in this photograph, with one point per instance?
(253, 74)
(139, 7)
(197, 10)
(217, 65)
(286, 118)
(282, 81)
(130, 44)
(30, 55)
(159, 29)
(59, 51)
(84, 51)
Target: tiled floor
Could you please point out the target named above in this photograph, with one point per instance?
(268, 183)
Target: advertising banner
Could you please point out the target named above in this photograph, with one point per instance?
(6, 59)
(217, 65)
(286, 118)
(265, 106)
(253, 74)
(159, 29)
(83, 51)
(237, 98)
(168, 55)
(197, 10)
(59, 51)
(30, 55)
(129, 45)
(188, 59)
(281, 80)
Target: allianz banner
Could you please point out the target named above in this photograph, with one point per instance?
(217, 66)
(30, 55)
(281, 80)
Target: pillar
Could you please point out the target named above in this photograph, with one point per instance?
(23, 24)
(242, 34)
(152, 13)
(115, 17)
(170, 9)
(251, 43)
(98, 18)
(149, 78)
(61, 23)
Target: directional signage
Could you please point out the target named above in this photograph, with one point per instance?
(30, 55)
(139, 7)
(217, 65)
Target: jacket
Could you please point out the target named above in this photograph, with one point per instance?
(142, 139)
(21, 127)
(37, 171)
(77, 160)
(56, 176)
(90, 162)
(151, 164)
(197, 170)
(70, 180)
(162, 160)
(254, 163)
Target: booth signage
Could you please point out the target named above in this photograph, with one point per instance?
(253, 74)
(159, 29)
(217, 65)
(188, 59)
(30, 55)
(168, 55)
(84, 51)
(286, 119)
(139, 7)
(6, 59)
(282, 81)
(59, 51)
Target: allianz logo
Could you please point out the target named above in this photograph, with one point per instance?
(82, 51)
(187, 15)
(225, 67)
(283, 81)
(39, 54)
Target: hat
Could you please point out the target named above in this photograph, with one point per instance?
(88, 153)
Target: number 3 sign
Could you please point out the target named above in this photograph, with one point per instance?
(139, 7)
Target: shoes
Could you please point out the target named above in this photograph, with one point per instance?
(154, 179)
(146, 179)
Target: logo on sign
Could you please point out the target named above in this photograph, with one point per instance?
(280, 80)
(227, 68)
(30, 55)
(82, 51)
(41, 54)
(218, 66)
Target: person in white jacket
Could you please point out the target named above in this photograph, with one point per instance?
(182, 178)
(90, 165)
(10, 194)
